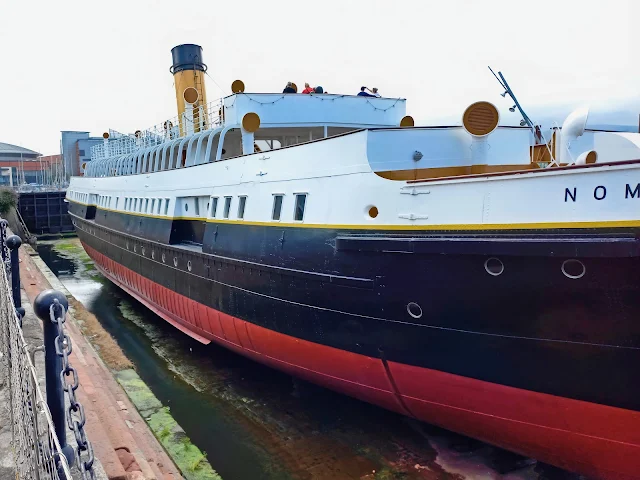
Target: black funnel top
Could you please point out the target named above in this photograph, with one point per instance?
(187, 57)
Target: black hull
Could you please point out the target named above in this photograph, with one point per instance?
(530, 328)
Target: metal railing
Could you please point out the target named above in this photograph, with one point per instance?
(39, 443)
(36, 450)
(194, 120)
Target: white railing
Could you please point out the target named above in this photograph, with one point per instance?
(198, 119)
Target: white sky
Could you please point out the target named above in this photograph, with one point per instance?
(86, 65)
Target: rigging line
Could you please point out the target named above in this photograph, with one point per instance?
(499, 81)
(214, 81)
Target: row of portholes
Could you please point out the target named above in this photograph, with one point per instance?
(572, 268)
(153, 256)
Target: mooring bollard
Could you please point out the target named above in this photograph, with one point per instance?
(13, 244)
(53, 363)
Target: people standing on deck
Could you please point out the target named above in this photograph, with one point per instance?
(318, 89)
(289, 88)
(374, 92)
(307, 88)
(363, 93)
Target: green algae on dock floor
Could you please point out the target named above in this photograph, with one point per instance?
(190, 460)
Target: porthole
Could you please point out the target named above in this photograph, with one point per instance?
(494, 266)
(373, 211)
(175, 261)
(189, 265)
(186, 207)
(414, 310)
(573, 269)
(164, 259)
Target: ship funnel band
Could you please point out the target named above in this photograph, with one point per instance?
(187, 57)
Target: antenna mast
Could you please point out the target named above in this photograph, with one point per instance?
(525, 118)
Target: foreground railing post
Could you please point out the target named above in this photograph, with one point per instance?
(53, 365)
(13, 244)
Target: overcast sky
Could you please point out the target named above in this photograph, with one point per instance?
(86, 65)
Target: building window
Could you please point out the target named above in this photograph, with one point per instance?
(277, 207)
(214, 206)
(301, 200)
(242, 202)
(227, 207)
(81, 153)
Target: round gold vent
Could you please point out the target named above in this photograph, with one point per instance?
(480, 118)
(251, 122)
(237, 86)
(407, 121)
(190, 95)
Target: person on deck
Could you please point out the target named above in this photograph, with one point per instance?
(307, 88)
(363, 93)
(374, 92)
(289, 88)
(318, 89)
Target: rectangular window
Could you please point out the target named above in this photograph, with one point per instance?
(227, 207)
(241, 205)
(153, 205)
(81, 153)
(117, 201)
(159, 205)
(197, 206)
(135, 204)
(214, 206)
(277, 207)
(301, 200)
(166, 206)
(146, 206)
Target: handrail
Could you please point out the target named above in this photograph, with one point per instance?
(202, 118)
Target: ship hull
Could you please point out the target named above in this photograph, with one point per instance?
(528, 387)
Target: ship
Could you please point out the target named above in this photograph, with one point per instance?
(480, 277)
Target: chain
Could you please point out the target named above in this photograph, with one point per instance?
(75, 417)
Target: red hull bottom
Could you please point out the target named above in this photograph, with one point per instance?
(591, 439)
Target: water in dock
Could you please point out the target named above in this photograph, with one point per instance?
(256, 423)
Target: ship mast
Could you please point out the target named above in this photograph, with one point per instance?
(525, 118)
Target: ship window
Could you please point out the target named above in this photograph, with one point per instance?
(153, 205)
(196, 204)
(214, 206)
(277, 207)
(186, 207)
(166, 206)
(146, 205)
(135, 204)
(117, 201)
(159, 206)
(227, 207)
(242, 202)
(301, 200)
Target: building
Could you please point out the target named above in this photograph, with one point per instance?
(76, 150)
(19, 165)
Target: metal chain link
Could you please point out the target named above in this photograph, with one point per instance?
(75, 418)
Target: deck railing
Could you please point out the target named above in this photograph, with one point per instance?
(196, 119)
